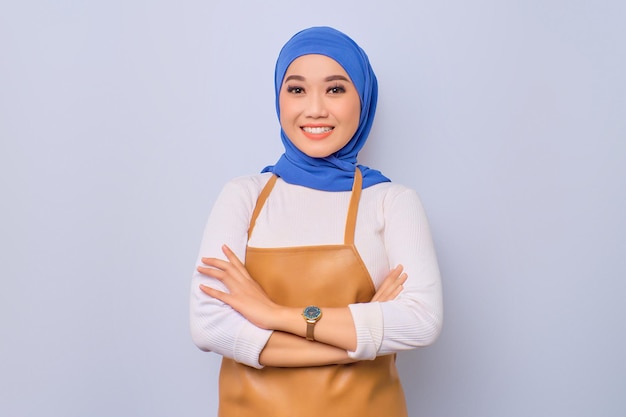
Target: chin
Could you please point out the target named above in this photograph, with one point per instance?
(318, 155)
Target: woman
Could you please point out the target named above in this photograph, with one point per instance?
(314, 273)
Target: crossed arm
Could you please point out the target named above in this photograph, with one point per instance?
(287, 346)
(258, 332)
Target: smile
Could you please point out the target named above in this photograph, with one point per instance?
(317, 130)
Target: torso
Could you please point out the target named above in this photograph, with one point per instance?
(327, 275)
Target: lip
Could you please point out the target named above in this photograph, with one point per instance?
(316, 136)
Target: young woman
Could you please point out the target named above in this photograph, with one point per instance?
(314, 273)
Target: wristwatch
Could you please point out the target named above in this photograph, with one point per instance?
(312, 314)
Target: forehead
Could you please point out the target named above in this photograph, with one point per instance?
(314, 65)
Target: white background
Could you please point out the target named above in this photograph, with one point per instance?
(121, 120)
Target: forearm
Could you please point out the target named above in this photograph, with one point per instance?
(288, 350)
(338, 326)
(335, 328)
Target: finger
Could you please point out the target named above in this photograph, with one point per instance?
(228, 267)
(398, 284)
(213, 273)
(217, 294)
(390, 278)
(394, 273)
(230, 255)
(399, 269)
(388, 296)
(386, 284)
(216, 263)
(395, 293)
(392, 288)
(392, 293)
(234, 260)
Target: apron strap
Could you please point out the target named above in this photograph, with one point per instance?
(260, 202)
(353, 208)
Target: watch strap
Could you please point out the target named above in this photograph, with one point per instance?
(310, 330)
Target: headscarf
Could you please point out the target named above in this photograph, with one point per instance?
(334, 172)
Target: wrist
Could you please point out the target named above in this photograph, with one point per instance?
(289, 320)
(312, 314)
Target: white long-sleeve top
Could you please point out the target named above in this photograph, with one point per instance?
(391, 229)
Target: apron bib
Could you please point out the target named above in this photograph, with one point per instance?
(327, 276)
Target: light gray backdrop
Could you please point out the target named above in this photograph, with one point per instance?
(121, 120)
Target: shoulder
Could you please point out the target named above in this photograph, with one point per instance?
(241, 193)
(247, 185)
(237, 199)
(390, 193)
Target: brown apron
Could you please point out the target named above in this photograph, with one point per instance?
(327, 276)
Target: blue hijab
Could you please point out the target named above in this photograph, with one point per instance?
(334, 172)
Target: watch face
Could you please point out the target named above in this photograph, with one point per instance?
(312, 313)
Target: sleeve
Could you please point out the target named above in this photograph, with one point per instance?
(414, 318)
(215, 326)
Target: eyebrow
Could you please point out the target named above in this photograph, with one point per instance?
(336, 78)
(329, 78)
(294, 77)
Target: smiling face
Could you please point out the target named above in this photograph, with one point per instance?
(319, 105)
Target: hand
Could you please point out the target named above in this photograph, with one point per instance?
(392, 285)
(245, 294)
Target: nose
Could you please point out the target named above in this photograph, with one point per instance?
(316, 106)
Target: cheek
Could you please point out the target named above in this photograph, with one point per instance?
(286, 108)
(354, 115)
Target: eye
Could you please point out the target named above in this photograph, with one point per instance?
(337, 89)
(295, 89)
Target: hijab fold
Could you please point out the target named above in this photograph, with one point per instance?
(334, 172)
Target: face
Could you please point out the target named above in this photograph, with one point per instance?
(319, 105)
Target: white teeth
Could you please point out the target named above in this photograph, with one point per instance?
(317, 130)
